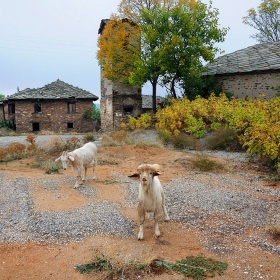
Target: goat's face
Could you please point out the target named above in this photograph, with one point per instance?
(64, 159)
(146, 173)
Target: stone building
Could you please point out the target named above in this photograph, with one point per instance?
(118, 102)
(250, 72)
(56, 107)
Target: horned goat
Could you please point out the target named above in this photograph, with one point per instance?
(80, 159)
(151, 196)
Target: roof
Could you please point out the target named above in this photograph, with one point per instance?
(257, 58)
(55, 90)
(147, 101)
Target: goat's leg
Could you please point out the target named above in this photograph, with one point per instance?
(157, 217)
(85, 174)
(141, 214)
(78, 179)
(93, 169)
(166, 217)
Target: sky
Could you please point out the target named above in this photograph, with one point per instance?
(42, 41)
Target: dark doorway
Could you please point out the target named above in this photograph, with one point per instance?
(36, 126)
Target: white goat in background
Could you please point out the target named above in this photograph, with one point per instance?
(80, 159)
(151, 196)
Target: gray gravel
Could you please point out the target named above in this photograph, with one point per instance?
(218, 205)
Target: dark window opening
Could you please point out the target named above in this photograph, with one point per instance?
(70, 125)
(37, 108)
(36, 126)
(71, 107)
(11, 109)
(128, 108)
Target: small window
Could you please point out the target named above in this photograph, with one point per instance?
(11, 109)
(128, 108)
(36, 126)
(70, 125)
(37, 108)
(71, 107)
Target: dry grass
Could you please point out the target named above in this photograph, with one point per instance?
(205, 164)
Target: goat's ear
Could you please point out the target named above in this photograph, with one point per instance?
(57, 159)
(71, 158)
(134, 175)
(156, 173)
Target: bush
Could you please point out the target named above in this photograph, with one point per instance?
(89, 138)
(182, 141)
(16, 150)
(224, 139)
(203, 163)
(120, 136)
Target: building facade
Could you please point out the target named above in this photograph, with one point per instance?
(56, 107)
(251, 72)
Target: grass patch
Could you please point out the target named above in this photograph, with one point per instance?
(196, 267)
(199, 268)
(111, 182)
(182, 141)
(224, 139)
(205, 164)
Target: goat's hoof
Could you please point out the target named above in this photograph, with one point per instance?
(167, 219)
(140, 237)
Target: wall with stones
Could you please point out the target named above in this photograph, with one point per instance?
(54, 116)
(250, 85)
(118, 103)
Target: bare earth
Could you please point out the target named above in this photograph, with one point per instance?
(51, 261)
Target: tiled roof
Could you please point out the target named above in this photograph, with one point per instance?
(147, 101)
(260, 57)
(55, 90)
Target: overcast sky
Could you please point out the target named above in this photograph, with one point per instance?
(45, 40)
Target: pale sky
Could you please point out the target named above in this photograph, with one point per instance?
(45, 40)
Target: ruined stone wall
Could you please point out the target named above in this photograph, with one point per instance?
(118, 103)
(250, 85)
(54, 117)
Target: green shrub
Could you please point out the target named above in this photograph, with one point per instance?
(224, 139)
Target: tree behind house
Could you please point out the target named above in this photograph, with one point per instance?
(266, 20)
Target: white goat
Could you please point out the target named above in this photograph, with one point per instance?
(151, 196)
(80, 159)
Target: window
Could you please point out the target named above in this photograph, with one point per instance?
(11, 109)
(37, 108)
(70, 125)
(35, 126)
(71, 107)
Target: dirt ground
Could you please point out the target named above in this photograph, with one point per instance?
(50, 261)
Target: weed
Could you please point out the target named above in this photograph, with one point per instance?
(3, 154)
(89, 138)
(199, 267)
(31, 139)
(100, 264)
(203, 163)
(16, 151)
(120, 136)
(274, 225)
(224, 139)
(111, 182)
(108, 141)
(49, 166)
(182, 141)
(165, 137)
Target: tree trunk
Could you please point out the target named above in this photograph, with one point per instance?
(154, 84)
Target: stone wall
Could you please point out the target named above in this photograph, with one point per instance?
(118, 103)
(250, 85)
(54, 117)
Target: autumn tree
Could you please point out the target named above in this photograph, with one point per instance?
(176, 41)
(118, 46)
(132, 8)
(266, 20)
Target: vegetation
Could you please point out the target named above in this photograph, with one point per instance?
(197, 267)
(157, 49)
(92, 113)
(266, 20)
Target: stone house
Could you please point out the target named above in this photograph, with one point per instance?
(250, 72)
(56, 107)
